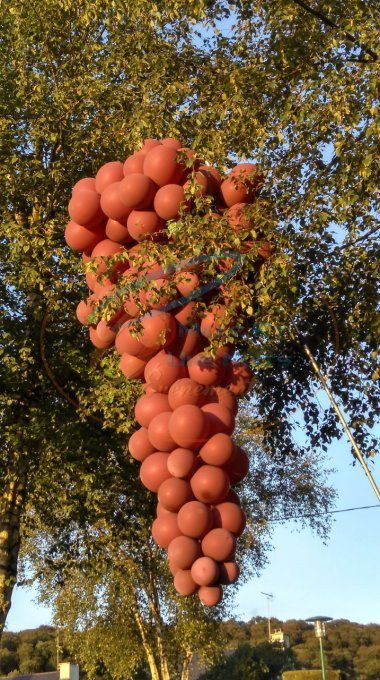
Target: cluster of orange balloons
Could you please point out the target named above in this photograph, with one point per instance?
(187, 413)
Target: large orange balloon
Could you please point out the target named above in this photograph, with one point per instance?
(154, 470)
(233, 191)
(84, 207)
(182, 463)
(82, 238)
(108, 174)
(85, 309)
(137, 191)
(205, 571)
(162, 167)
(149, 144)
(238, 466)
(240, 378)
(126, 343)
(86, 183)
(229, 573)
(111, 203)
(96, 341)
(148, 407)
(165, 529)
(174, 493)
(183, 583)
(143, 223)
(132, 367)
(168, 201)
(134, 163)
(158, 328)
(188, 426)
(118, 232)
(139, 445)
(204, 369)
(159, 434)
(210, 484)
(195, 519)
(201, 187)
(183, 551)
(162, 371)
(210, 596)
(186, 391)
(186, 282)
(219, 544)
(217, 450)
(219, 419)
(105, 331)
(213, 320)
(231, 517)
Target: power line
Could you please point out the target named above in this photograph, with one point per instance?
(327, 512)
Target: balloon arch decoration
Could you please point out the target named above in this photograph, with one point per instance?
(187, 413)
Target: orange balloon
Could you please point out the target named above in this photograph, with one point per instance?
(183, 583)
(148, 407)
(168, 201)
(126, 343)
(174, 493)
(205, 571)
(238, 218)
(188, 426)
(132, 367)
(86, 184)
(214, 177)
(161, 511)
(108, 174)
(171, 142)
(233, 191)
(85, 309)
(229, 573)
(210, 484)
(103, 250)
(186, 391)
(217, 450)
(186, 314)
(227, 399)
(210, 596)
(186, 282)
(84, 207)
(134, 163)
(118, 232)
(165, 529)
(240, 378)
(96, 341)
(174, 568)
(111, 203)
(162, 167)
(139, 445)
(150, 144)
(219, 419)
(158, 328)
(162, 371)
(201, 184)
(105, 332)
(219, 544)
(182, 463)
(159, 434)
(154, 470)
(195, 519)
(231, 517)
(183, 551)
(186, 344)
(142, 223)
(137, 191)
(82, 238)
(213, 320)
(204, 369)
(238, 465)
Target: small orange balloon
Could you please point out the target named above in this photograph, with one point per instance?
(162, 371)
(139, 445)
(154, 470)
(217, 450)
(149, 406)
(162, 167)
(165, 529)
(210, 596)
(205, 571)
(143, 223)
(229, 573)
(186, 391)
(174, 493)
(195, 519)
(204, 369)
(132, 367)
(118, 232)
(82, 238)
(159, 433)
(188, 426)
(219, 544)
(238, 465)
(84, 207)
(137, 191)
(231, 517)
(111, 203)
(96, 341)
(183, 583)
(108, 174)
(168, 201)
(182, 463)
(134, 163)
(210, 484)
(183, 551)
(86, 184)
(219, 419)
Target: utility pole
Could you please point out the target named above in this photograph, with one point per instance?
(320, 632)
(269, 597)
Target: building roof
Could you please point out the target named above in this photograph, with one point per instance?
(52, 675)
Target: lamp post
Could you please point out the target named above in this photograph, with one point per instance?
(269, 597)
(320, 632)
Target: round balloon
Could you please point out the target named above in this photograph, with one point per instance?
(139, 445)
(159, 433)
(108, 174)
(162, 167)
(174, 493)
(111, 203)
(154, 470)
(183, 583)
(149, 406)
(205, 571)
(168, 201)
(183, 551)
(187, 426)
(165, 529)
(219, 419)
(204, 369)
(137, 191)
(217, 450)
(230, 516)
(219, 544)
(182, 463)
(162, 371)
(210, 596)
(210, 484)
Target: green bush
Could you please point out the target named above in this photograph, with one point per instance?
(310, 675)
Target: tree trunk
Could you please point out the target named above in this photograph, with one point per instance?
(186, 666)
(147, 648)
(11, 505)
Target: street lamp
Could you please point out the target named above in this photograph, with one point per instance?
(320, 632)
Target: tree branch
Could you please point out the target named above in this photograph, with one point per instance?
(329, 22)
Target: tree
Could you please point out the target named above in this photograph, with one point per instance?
(253, 663)
(289, 84)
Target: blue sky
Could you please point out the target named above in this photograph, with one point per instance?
(340, 579)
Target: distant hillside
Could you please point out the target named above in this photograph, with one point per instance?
(30, 651)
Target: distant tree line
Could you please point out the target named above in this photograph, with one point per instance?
(351, 648)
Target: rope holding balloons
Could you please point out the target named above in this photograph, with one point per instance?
(187, 413)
